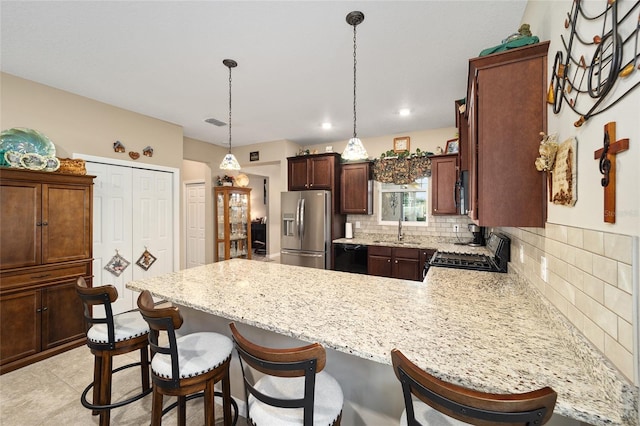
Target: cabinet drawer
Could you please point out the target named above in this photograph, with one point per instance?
(379, 251)
(30, 276)
(406, 253)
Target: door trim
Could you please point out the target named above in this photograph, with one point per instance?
(175, 186)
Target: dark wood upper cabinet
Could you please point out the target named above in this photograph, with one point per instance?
(506, 111)
(317, 171)
(356, 188)
(463, 135)
(444, 179)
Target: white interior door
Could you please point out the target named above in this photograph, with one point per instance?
(195, 224)
(133, 212)
(112, 226)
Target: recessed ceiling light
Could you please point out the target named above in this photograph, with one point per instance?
(326, 125)
(404, 112)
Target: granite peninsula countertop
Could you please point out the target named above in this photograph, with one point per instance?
(488, 331)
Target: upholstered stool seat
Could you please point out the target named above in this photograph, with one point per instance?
(198, 353)
(328, 400)
(294, 389)
(127, 325)
(109, 335)
(186, 366)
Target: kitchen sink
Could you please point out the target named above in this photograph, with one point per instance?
(392, 242)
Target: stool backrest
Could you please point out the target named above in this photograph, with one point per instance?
(467, 405)
(102, 295)
(166, 320)
(304, 361)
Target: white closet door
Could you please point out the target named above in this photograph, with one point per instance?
(195, 224)
(133, 210)
(153, 221)
(112, 228)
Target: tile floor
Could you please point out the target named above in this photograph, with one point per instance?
(48, 393)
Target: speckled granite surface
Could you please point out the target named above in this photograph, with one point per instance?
(483, 330)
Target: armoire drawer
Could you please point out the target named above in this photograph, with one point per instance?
(30, 276)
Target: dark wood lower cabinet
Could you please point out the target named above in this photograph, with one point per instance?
(395, 262)
(38, 323)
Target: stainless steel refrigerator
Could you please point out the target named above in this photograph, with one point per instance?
(306, 229)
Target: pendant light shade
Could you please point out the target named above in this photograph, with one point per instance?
(229, 161)
(355, 150)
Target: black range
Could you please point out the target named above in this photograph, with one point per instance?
(496, 261)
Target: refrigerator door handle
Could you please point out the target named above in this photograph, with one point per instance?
(301, 229)
(301, 254)
(297, 230)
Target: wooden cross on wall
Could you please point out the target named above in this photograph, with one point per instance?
(607, 157)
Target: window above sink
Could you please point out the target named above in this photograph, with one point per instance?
(407, 201)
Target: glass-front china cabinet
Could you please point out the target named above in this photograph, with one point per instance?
(233, 222)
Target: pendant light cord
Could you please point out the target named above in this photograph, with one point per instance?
(354, 82)
(229, 110)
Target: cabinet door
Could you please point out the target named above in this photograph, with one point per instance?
(355, 194)
(406, 264)
(62, 315)
(379, 261)
(444, 173)
(379, 265)
(297, 174)
(66, 223)
(321, 173)
(19, 325)
(21, 219)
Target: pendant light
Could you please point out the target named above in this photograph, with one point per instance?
(354, 150)
(229, 161)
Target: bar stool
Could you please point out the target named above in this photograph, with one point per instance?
(443, 403)
(107, 337)
(294, 389)
(187, 366)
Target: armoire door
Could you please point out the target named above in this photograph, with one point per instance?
(133, 212)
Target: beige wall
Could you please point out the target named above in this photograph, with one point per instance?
(77, 124)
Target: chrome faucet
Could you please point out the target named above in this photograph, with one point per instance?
(400, 236)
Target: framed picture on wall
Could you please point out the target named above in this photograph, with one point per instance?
(401, 144)
(452, 146)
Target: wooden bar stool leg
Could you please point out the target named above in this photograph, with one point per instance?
(182, 410)
(209, 404)
(226, 399)
(156, 407)
(144, 368)
(105, 388)
(97, 373)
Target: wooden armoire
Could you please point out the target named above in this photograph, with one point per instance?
(45, 245)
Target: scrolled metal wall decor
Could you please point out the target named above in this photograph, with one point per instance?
(615, 56)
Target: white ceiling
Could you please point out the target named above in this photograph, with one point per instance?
(295, 61)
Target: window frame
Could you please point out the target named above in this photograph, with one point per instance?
(378, 189)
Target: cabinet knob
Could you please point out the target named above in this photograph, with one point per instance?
(396, 261)
(45, 223)
(388, 260)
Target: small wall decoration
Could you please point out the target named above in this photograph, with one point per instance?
(607, 165)
(118, 147)
(117, 264)
(401, 144)
(147, 152)
(254, 156)
(146, 260)
(452, 146)
(134, 155)
(565, 183)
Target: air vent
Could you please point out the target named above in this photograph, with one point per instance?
(215, 122)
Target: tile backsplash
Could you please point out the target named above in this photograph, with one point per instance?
(589, 280)
(438, 226)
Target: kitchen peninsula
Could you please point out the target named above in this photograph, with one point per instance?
(488, 331)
